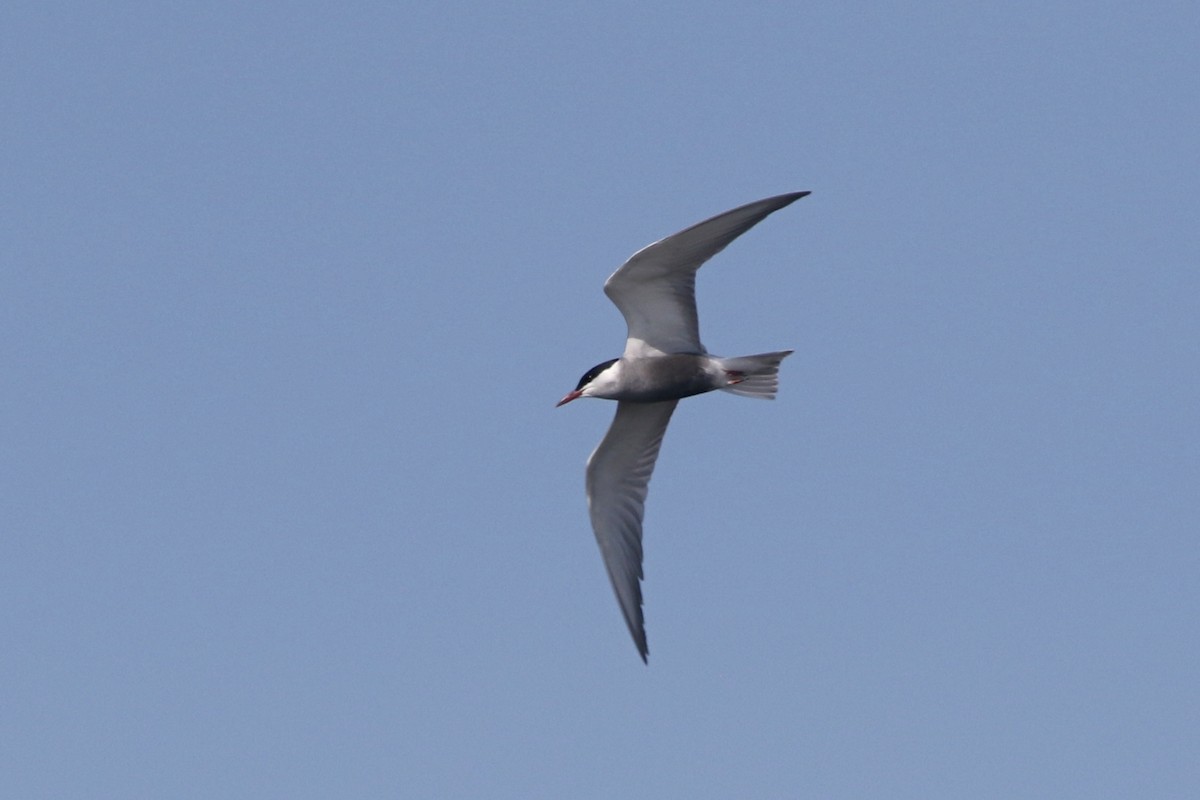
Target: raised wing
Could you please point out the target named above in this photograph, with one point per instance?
(656, 288)
(618, 475)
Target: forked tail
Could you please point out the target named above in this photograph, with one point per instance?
(759, 375)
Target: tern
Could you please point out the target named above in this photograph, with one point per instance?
(663, 362)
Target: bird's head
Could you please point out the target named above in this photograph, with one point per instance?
(596, 382)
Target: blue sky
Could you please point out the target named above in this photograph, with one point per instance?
(290, 291)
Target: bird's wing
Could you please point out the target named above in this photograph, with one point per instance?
(656, 288)
(618, 474)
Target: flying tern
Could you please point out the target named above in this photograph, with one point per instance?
(663, 362)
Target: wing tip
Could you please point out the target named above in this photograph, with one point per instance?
(639, 639)
(637, 630)
(792, 197)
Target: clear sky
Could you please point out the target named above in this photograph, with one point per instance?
(289, 293)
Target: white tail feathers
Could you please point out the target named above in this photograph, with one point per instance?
(759, 374)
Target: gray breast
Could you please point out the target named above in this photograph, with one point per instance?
(650, 380)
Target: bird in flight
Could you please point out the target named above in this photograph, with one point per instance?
(663, 362)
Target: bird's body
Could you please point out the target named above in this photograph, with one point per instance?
(663, 363)
(667, 377)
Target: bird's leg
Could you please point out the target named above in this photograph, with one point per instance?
(734, 376)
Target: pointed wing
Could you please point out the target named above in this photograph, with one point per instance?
(618, 475)
(656, 288)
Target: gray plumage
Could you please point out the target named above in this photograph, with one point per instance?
(663, 362)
